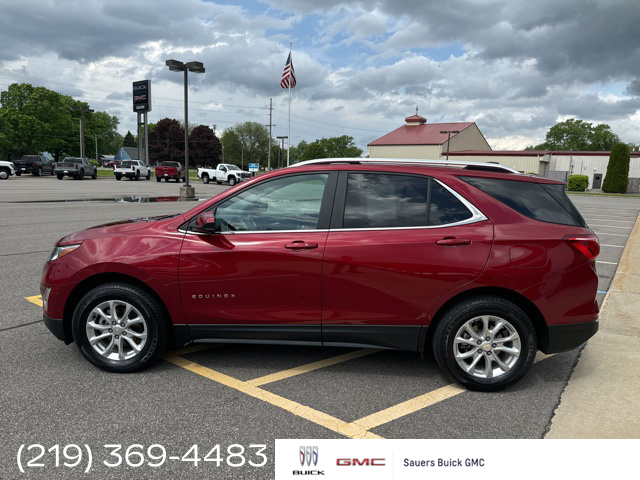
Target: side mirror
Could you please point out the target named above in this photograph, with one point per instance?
(205, 223)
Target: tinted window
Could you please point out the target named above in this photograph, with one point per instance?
(170, 164)
(129, 164)
(557, 192)
(288, 203)
(528, 198)
(380, 200)
(444, 207)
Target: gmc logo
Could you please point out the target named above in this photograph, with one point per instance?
(356, 462)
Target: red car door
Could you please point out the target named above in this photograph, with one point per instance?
(258, 277)
(389, 256)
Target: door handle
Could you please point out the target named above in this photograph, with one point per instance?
(301, 245)
(453, 241)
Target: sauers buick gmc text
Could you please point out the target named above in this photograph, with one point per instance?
(476, 262)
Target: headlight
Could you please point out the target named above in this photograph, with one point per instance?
(61, 251)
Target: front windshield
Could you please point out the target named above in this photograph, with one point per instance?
(232, 167)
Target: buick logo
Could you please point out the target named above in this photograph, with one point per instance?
(309, 455)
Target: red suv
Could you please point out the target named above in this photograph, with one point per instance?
(477, 262)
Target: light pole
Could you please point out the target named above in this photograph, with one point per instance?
(196, 67)
(449, 132)
(81, 110)
(281, 138)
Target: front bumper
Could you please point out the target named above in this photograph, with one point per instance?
(56, 326)
(562, 338)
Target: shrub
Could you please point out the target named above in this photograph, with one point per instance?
(577, 183)
(617, 176)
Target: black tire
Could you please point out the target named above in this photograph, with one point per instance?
(219, 183)
(158, 179)
(232, 181)
(18, 173)
(458, 315)
(149, 308)
(60, 176)
(81, 175)
(95, 174)
(137, 177)
(4, 173)
(37, 171)
(148, 177)
(118, 177)
(52, 172)
(177, 179)
(205, 178)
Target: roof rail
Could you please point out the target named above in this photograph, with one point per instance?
(405, 161)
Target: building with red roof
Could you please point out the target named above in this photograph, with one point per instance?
(419, 139)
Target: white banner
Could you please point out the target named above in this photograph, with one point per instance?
(457, 459)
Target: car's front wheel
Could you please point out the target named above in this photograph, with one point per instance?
(119, 328)
(485, 343)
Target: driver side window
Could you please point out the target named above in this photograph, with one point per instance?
(286, 203)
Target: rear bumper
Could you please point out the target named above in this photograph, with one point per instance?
(568, 337)
(56, 326)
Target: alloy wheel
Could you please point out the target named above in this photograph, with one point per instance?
(116, 330)
(487, 346)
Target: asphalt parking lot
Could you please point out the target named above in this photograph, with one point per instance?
(231, 394)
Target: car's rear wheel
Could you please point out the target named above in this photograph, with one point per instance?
(148, 177)
(60, 176)
(36, 171)
(119, 328)
(158, 179)
(485, 343)
(81, 175)
(205, 178)
(137, 177)
(118, 177)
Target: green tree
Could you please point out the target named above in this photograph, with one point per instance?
(575, 134)
(334, 147)
(617, 176)
(36, 119)
(246, 142)
(129, 140)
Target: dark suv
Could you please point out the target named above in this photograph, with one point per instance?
(477, 262)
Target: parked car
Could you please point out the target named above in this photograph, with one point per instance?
(34, 164)
(170, 171)
(133, 170)
(112, 163)
(224, 172)
(6, 169)
(476, 262)
(78, 168)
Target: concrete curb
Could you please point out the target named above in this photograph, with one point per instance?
(600, 400)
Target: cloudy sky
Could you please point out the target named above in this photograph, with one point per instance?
(515, 67)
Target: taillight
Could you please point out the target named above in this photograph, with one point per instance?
(76, 165)
(133, 168)
(585, 244)
(34, 164)
(54, 166)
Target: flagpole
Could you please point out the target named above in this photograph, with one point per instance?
(290, 77)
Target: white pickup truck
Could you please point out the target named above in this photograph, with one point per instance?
(224, 172)
(133, 170)
(6, 170)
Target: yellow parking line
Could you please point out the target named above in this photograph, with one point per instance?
(340, 426)
(410, 406)
(309, 367)
(418, 403)
(37, 299)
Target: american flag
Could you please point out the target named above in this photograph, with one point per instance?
(288, 76)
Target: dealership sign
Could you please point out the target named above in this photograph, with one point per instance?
(142, 96)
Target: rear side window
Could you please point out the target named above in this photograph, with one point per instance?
(375, 200)
(543, 202)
